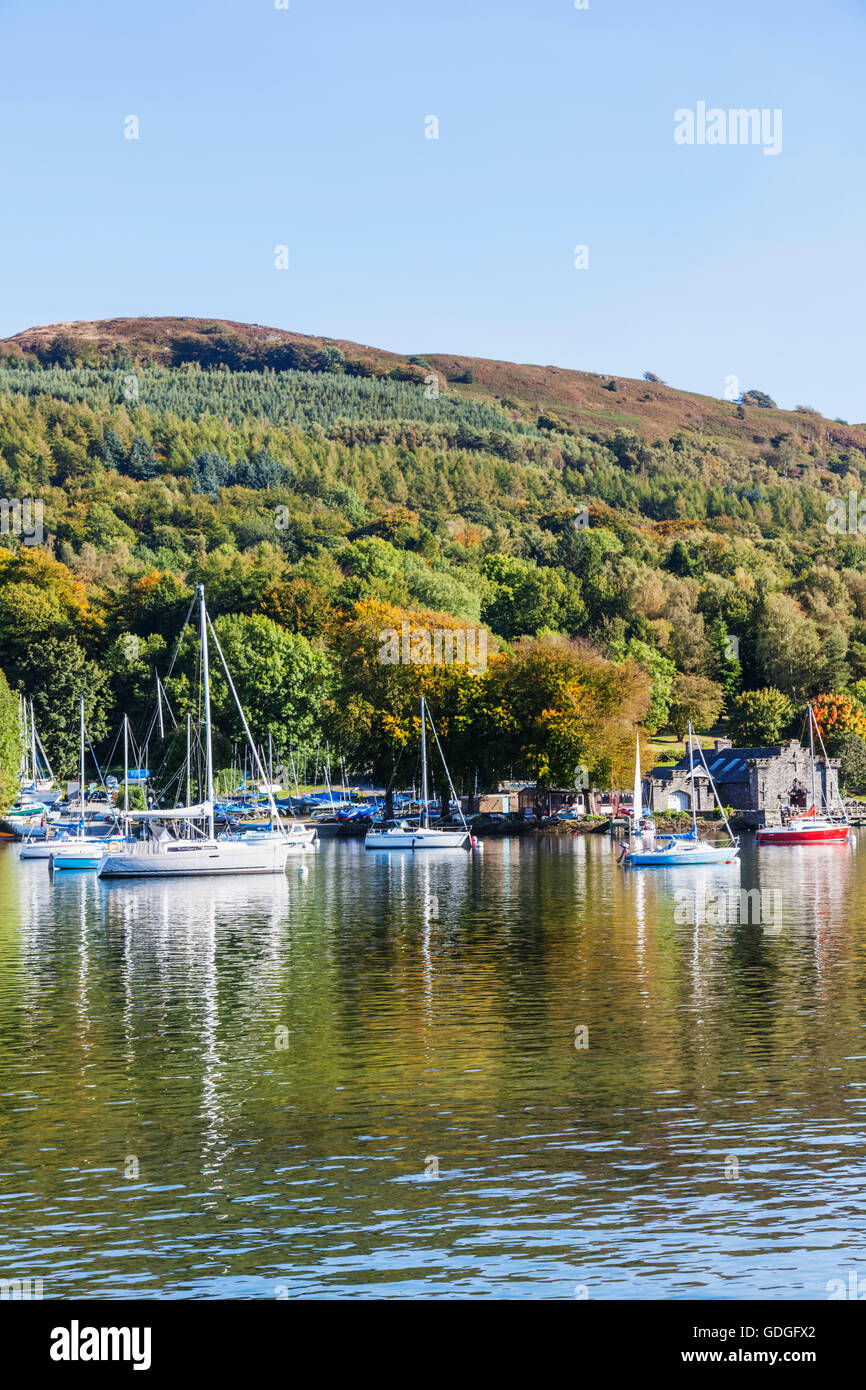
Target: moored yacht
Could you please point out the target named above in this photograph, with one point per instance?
(62, 838)
(406, 834)
(674, 850)
(164, 854)
(811, 827)
(403, 834)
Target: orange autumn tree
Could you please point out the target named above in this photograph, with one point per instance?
(559, 705)
(36, 586)
(48, 633)
(837, 716)
(541, 709)
(387, 657)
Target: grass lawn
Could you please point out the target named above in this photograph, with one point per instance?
(668, 749)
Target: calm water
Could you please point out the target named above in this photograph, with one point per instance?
(244, 1089)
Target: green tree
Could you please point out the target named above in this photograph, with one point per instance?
(696, 701)
(10, 745)
(661, 671)
(760, 717)
(113, 452)
(142, 461)
(55, 676)
(788, 648)
(727, 668)
(852, 750)
(282, 680)
(527, 598)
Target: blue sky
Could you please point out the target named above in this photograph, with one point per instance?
(306, 127)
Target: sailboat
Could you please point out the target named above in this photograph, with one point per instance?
(679, 849)
(68, 838)
(812, 827)
(164, 854)
(37, 778)
(404, 834)
(641, 817)
(87, 853)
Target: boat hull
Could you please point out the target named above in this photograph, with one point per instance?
(48, 849)
(41, 850)
(210, 860)
(786, 835)
(420, 839)
(60, 862)
(659, 858)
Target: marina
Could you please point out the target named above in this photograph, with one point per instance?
(432, 679)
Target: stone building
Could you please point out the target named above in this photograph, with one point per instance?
(759, 781)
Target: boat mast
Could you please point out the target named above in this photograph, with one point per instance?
(208, 741)
(447, 772)
(159, 707)
(256, 762)
(812, 757)
(718, 799)
(125, 770)
(33, 746)
(41, 749)
(188, 766)
(692, 780)
(25, 741)
(828, 779)
(81, 768)
(425, 818)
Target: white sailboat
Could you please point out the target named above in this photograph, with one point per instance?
(681, 849)
(70, 837)
(35, 785)
(164, 855)
(404, 834)
(641, 819)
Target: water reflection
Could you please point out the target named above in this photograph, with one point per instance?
(282, 1056)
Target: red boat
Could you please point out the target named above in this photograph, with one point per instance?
(810, 828)
(807, 829)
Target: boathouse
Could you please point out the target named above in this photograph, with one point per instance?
(756, 781)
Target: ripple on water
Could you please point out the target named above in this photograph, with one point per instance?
(369, 1081)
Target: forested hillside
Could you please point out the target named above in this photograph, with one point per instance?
(635, 553)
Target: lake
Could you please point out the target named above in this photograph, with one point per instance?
(522, 1072)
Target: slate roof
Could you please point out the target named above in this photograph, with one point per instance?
(725, 764)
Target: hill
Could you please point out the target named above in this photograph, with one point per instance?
(586, 400)
(633, 553)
